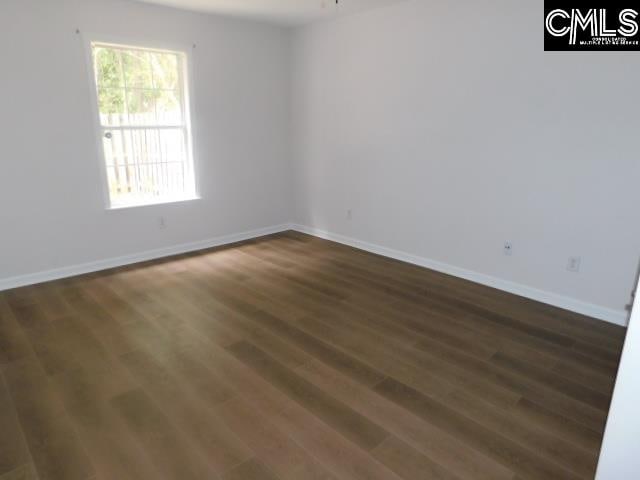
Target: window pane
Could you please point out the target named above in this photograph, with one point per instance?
(144, 146)
(146, 164)
(112, 149)
(143, 126)
(118, 147)
(142, 107)
(176, 177)
(112, 106)
(165, 70)
(137, 69)
(108, 68)
(122, 182)
(168, 108)
(172, 145)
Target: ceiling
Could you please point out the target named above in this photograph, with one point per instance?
(285, 12)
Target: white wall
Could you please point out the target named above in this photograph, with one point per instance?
(620, 455)
(52, 212)
(442, 125)
(447, 130)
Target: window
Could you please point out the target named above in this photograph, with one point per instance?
(144, 124)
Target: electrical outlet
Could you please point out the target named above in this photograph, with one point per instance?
(508, 248)
(574, 264)
(349, 215)
(162, 223)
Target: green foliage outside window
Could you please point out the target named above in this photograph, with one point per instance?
(136, 81)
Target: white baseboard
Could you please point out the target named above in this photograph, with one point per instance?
(561, 301)
(71, 271)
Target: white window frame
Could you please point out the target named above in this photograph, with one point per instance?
(187, 51)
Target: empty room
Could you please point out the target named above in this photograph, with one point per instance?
(319, 240)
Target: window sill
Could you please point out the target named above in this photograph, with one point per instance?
(152, 203)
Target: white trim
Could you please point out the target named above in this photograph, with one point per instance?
(71, 271)
(596, 311)
(166, 201)
(561, 301)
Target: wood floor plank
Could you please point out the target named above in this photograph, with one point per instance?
(408, 462)
(421, 370)
(112, 448)
(330, 447)
(208, 386)
(408, 286)
(250, 470)
(85, 393)
(14, 452)
(350, 423)
(492, 316)
(274, 447)
(291, 357)
(23, 472)
(574, 458)
(321, 350)
(535, 358)
(435, 443)
(65, 345)
(241, 327)
(578, 373)
(221, 448)
(534, 312)
(54, 446)
(487, 441)
(13, 343)
(568, 387)
(30, 315)
(158, 437)
(512, 336)
(546, 397)
(559, 425)
(242, 379)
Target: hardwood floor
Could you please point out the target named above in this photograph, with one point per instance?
(293, 358)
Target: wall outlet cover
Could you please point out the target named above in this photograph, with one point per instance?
(574, 264)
